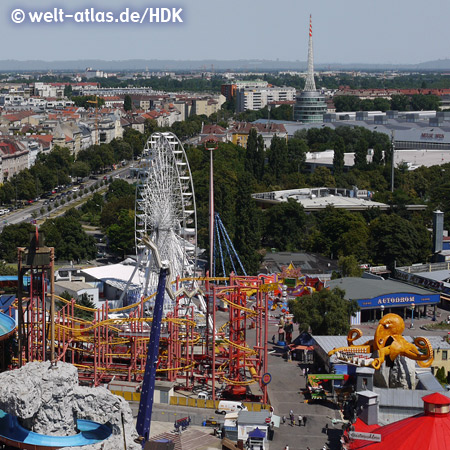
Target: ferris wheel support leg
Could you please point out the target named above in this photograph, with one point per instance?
(148, 385)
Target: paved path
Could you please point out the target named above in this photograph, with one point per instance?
(285, 393)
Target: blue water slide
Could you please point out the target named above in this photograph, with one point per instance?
(7, 326)
(14, 434)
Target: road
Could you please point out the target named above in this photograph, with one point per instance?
(32, 212)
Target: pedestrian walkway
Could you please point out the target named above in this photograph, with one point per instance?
(285, 394)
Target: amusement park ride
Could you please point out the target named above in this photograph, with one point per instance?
(190, 345)
(114, 343)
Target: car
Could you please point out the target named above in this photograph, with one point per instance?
(30, 201)
(46, 202)
(75, 189)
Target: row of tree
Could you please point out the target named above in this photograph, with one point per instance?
(59, 166)
(417, 102)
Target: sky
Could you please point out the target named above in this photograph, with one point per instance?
(344, 31)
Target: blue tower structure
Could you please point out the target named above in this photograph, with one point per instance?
(144, 417)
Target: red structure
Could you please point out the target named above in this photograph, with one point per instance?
(427, 431)
(234, 361)
(112, 343)
(36, 332)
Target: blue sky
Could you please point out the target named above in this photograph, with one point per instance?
(345, 31)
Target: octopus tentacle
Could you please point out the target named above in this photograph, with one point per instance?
(353, 335)
(425, 360)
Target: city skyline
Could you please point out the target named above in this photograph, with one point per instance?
(347, 32)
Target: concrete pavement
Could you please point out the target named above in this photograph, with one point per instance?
(285, 393)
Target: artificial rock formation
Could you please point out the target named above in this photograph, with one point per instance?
(400, 373)
(48, 400)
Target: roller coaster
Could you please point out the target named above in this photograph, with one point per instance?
(113, 344)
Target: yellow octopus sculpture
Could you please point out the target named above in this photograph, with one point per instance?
(388, 341)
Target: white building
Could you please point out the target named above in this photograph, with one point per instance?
(76, 289)
(258, 98)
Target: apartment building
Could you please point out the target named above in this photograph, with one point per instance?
(258, 98)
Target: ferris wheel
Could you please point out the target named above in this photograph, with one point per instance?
(165, 210)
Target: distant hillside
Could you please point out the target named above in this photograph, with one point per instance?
(440, 64)
(205, 65)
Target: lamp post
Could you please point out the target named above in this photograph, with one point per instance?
(382, 310)
(412, 315)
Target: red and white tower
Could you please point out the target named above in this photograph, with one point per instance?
(310, 84)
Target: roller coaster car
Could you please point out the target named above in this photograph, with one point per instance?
(234, 392)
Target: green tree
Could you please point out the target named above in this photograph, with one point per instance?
(121, 234)
(252, 152)
(67, 236)
(80, 169)
(322, 177)
(349, 266)
(127, 103)
(441, 376)
(338, 158)
(260, 159)
(342, 233)
(83, 301)
(284, 227)
(120, 188)
(425, 102)
(381, 104)
(135, 139)
(361, 154)
(68, 90)
(278, 157)
(347, 103)
(327, 312)
(377, 159)
(297, 150)
(393, 241)
(400, 103)
(88, 101)
(14, 236)
(6, 269)
(248, 227)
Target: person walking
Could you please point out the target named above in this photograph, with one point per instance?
(300, 420)
(283, 419)
(304, 421)
(291, 416)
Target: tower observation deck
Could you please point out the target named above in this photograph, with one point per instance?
(310, 105)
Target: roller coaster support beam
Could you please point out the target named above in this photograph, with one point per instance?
(148, 385)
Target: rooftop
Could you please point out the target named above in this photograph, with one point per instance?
(363, 288)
